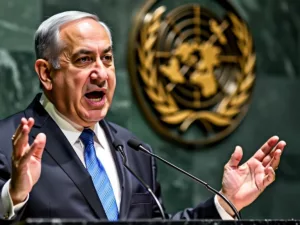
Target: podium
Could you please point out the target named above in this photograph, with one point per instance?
(158, 222)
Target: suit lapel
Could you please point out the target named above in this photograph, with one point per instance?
(124, 175)
(62, 152)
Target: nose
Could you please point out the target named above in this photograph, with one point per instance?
(100, 71)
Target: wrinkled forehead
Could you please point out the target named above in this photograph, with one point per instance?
(83, 32)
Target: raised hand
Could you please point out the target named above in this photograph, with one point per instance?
(242, 184)
(26, 161)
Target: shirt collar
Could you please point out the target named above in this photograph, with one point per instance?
(71, 130)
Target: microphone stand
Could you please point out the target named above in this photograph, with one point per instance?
(119, 148)
(137, 146)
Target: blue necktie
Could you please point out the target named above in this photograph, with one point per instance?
(99, 176)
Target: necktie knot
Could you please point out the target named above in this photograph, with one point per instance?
(87, 137)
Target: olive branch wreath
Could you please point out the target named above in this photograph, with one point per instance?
(163, 100)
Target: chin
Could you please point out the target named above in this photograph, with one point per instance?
(94, 117)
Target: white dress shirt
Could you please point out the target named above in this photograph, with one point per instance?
(72, 132)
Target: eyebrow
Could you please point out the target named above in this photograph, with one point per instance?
(82, 52)
(88, 52)
(108, 49)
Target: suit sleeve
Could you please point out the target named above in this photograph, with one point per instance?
(8, 127)
(4, 177)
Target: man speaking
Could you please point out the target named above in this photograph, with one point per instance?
(57, 159)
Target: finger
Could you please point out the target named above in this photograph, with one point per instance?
(24, 121)
(266, 148)
(30, 122)
(41, 143)
(236, 157)
(21, 142)
(19, 128)
(274, 163)
(269, 177)
(280, 146)
(267, 160)
(36, 149)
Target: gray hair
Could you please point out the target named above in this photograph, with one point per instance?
(47, 39)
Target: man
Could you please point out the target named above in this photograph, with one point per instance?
(77, 173)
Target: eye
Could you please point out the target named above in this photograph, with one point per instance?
(107, 58)
(84, 59)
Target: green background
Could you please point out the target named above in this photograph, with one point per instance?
(275, 107)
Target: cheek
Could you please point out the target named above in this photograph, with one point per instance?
(111, 84)
(77, 82)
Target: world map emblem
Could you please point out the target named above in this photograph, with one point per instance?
(192, 69)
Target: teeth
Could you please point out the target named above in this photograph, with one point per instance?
(95, 99)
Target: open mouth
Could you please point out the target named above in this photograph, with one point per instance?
(95, 96)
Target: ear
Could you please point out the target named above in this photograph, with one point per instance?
(43, 69)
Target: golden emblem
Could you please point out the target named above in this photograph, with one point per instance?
(194, 69)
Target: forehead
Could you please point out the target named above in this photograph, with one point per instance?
(85, 32)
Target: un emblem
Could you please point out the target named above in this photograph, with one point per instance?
(192, 69)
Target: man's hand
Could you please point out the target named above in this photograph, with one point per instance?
(26, 161)
(242, 184)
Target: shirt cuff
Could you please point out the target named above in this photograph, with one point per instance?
(8, 210)
(223, 214)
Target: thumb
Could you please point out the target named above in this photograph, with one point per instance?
(236, 157)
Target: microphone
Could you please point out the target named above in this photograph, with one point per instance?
(119, 147)
(136, 145)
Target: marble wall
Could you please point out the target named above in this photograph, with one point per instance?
(275, 107)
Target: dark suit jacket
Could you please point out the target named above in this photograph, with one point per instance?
(65, 189)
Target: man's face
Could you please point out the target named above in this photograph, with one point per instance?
(83, 87)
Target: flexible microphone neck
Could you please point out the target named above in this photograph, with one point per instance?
(134, 144)
(119, 147)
